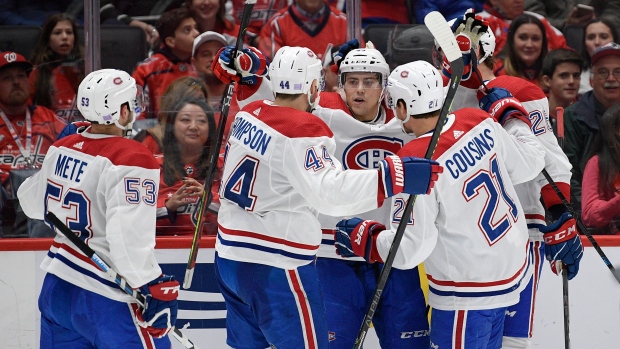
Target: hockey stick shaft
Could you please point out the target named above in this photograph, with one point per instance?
(581, 226)
(215, 153)
(118, 279)
(441, 31)
(559, 117)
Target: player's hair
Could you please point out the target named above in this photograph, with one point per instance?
(513, 65)
(609, 22)
(559, 56)
(490, 62)
(169, 21)
(607, 146)
(173, 166)
(430, 114)
(46, 60)
(288, 97)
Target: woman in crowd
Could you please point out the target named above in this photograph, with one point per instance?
(181, 88)
(597, 32)
(58, 71)
(210, 15)
(525, 50)
(600, 196)
(189, 137)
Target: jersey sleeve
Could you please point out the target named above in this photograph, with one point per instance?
(419, 239)
(524, 154)
(319, 177)
(130, 221)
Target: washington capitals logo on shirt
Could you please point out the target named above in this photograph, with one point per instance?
(366, 152)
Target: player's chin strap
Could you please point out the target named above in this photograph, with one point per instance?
(127, 129)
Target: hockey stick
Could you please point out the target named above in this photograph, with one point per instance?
(215, 153)
(559, 116)
(440, 29)
(118, 279)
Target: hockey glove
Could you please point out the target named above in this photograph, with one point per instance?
(562, 243)
(502, 106)
(342, 53)
(160, 309)
(356, 237)
(410, 175)
(248, 65)
(73, 128)
(467, 31)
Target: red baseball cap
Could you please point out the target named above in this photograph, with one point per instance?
(9, 58)
(603, 51)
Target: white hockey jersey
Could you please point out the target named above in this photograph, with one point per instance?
(556, 162)
(279, 172)
(359, 145)
(105, 189)
(470, 231)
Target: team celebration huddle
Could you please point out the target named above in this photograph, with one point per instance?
(422, 200)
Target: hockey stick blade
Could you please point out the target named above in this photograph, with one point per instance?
(103, 266)
(440, 29)
(214, 156)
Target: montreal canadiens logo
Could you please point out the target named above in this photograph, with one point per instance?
(404, 74)
(117, 81)
(365, 153)
(310, 53)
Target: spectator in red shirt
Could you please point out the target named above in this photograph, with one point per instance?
(500, 13)
(210, 15)
(26, 133)
(525, 50)
(307, 23)
(189, 137)
(262, 12)
(601, 178)
(59, 67)
(177, 28)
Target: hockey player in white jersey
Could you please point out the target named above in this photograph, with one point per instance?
(279, 173)
(104, 187)
(520, 317)
(470, 231)
(365, 132)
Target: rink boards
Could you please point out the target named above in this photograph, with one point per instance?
(594, 297)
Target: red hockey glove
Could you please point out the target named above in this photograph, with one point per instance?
(160, 309)
(562, 243)
(356, 237)
(502, 106)
(249, 65)
(410, 175)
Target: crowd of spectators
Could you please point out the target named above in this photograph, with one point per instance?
(184, 97)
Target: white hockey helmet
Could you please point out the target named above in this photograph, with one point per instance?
(419, 85)
(294, 69)
(102, 93)
(364, 60)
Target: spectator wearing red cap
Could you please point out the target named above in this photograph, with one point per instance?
(26, 132)
(581, 120)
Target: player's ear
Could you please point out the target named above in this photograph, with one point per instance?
(125, 115)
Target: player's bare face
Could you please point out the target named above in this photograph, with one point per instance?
(605, 80)
(205, 9)
(528, 43)
(204, 57)
(191, 128)
(62, 38)
(362, 92)
(14, 86)
(564, 84)
(510, 8)
(597, 34)
(184, 36)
